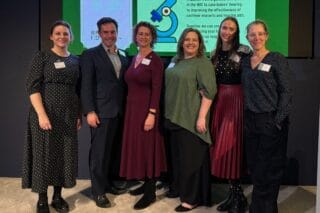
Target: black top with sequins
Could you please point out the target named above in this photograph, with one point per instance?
(228, 69)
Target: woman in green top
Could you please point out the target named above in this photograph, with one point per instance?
(187, 114)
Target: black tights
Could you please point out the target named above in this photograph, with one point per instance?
(43, 197)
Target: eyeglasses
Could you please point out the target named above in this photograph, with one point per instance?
(254, 35)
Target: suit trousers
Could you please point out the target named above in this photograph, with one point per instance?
(101, 157)
(190, 165)
(265, 146)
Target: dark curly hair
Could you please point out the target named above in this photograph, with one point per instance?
(150, 27)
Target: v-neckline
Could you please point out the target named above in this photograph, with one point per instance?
(257, 65)
(134, 63)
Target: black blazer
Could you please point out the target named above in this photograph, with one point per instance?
(101, 90)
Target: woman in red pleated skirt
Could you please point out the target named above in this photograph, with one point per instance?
(227, 114)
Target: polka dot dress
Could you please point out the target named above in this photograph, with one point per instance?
(50, 157)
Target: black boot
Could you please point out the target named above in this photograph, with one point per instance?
(138, 191)
(239, 202)
(149, 195)
(58, 203)
(226, 204)
(42, 205)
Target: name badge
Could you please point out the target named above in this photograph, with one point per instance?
(146, 61)
(122, 53)
(235, 57)
(171, 65)
(264, 67)
(59, 65)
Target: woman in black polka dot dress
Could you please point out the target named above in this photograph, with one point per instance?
(50, 153)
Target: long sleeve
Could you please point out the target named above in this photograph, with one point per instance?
(156, 82)
(87, 82)
(283, 77)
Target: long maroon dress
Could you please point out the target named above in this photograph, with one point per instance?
(143, 152)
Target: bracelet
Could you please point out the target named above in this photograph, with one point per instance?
(153, 113)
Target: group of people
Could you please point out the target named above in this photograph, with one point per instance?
(224, 116)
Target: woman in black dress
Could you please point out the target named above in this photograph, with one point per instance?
(50, 152)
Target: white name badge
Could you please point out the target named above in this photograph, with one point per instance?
(122, 53)
(146, 61)
(172, 64)
(235, 57)
(59, 65)
(264, 67)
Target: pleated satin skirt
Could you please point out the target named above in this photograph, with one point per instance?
(227, 132)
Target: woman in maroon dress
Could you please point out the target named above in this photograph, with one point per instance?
(226, 127)
(143, 152)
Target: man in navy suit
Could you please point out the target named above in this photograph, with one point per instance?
(102, 96)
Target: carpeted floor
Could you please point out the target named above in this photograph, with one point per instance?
(13, 199)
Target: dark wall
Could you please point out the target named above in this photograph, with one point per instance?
(19, 40)
(317, 28)
(300, 28)
(303, 132)
(20, 37)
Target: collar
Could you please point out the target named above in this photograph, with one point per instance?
(108, 50)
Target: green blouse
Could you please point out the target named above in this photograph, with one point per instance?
(183, 81)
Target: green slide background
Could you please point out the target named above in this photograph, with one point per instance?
(274, 12)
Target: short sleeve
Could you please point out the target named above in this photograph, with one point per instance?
(206, 78)
(35, 74)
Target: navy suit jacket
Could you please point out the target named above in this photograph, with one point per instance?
(101, 90)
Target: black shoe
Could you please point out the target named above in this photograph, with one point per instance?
(120, 184)
(137, 191)
(243, 200)
(236, 207)
(60, 205)
(115, 191)
(226, 204)
(102, 201)
(144, 202)
(42, 207)
(181, 208)
(239, 202)
(133, 183)
(172, 194)
(162, 185)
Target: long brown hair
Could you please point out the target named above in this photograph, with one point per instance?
(180, 52)
(235, 41)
